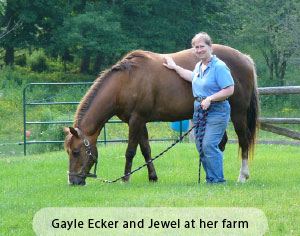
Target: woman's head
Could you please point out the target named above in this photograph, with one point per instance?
(203, 46)
(202, 36)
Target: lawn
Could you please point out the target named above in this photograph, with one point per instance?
(31, 183)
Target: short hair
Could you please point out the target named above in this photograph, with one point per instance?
(202, 36)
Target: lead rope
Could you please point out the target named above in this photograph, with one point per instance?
(200, 131)
(201, 121)
(150, 161)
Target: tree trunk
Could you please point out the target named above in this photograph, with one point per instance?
(65, 58)
(9, 55)
(85, 64)
(271, 71)
(97, 64)
(65, 66)
(282, 72)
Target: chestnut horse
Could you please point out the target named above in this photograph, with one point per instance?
(139, 89)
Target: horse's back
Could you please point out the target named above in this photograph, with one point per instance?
(240, 65)
(243, 72)
(160, 94)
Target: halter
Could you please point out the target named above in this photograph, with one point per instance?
(88, 151)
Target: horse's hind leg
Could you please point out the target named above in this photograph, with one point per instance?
(223, 142)
(241, 130)
(146, 151)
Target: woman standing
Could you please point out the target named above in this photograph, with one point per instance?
(212, 84)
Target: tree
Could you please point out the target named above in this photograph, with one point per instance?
(6, 30)
(89, 34)
(35, 19)
(9, 18)
(272, 26)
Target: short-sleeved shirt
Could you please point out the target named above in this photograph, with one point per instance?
(216, 77)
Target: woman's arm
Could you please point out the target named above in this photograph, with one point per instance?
(183, 73)
(219, 96)
(222, 94)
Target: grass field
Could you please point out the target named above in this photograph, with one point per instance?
(37, 181)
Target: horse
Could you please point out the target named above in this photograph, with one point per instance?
(139, 89)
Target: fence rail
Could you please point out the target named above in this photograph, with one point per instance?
(280, 120)
(279, 90)
(25, 122)
(265, 122)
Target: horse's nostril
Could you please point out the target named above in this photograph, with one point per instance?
(81, 182)
(77, 181)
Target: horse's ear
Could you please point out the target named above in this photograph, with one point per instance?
(66, 130)
(74, 132)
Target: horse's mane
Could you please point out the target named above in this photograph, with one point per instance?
(125, 64)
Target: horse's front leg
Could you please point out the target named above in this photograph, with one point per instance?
(146, 151)
(135, 129)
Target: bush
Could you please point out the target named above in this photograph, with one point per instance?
(47, 132)
(38, 61)
(51, 133)
(21, 60)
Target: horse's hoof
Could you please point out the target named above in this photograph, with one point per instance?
(126, 179)
(153, 179)
(244, 175)
(242, 178)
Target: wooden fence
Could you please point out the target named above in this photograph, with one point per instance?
(267, 123)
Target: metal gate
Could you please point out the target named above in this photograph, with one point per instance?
(26, 104)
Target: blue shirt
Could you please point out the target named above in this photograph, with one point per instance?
(216, 77)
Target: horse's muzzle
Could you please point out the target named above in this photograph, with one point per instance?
(76, 180)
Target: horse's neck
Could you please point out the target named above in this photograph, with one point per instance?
(101, 109)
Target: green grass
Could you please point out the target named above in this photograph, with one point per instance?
(37, 181)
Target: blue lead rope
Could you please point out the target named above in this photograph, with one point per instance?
(200, 131)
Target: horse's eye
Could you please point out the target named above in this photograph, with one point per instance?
(76, 154)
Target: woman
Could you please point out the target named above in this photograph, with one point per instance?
(212, 84)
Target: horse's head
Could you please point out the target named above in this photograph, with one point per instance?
(82, 156)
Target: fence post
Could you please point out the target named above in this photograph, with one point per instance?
(180, 130)
(104, 134)
(24, 116)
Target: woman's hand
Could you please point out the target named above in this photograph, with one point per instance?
(183, 73)
(170, 63)
(206, 103)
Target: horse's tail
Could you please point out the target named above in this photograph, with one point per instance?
(253, 112)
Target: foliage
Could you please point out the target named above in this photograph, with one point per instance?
(168, 26)
(89, 36)
(36, 21)
(272, 27)
(38, 61)
(12, 83)
(104, 31)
